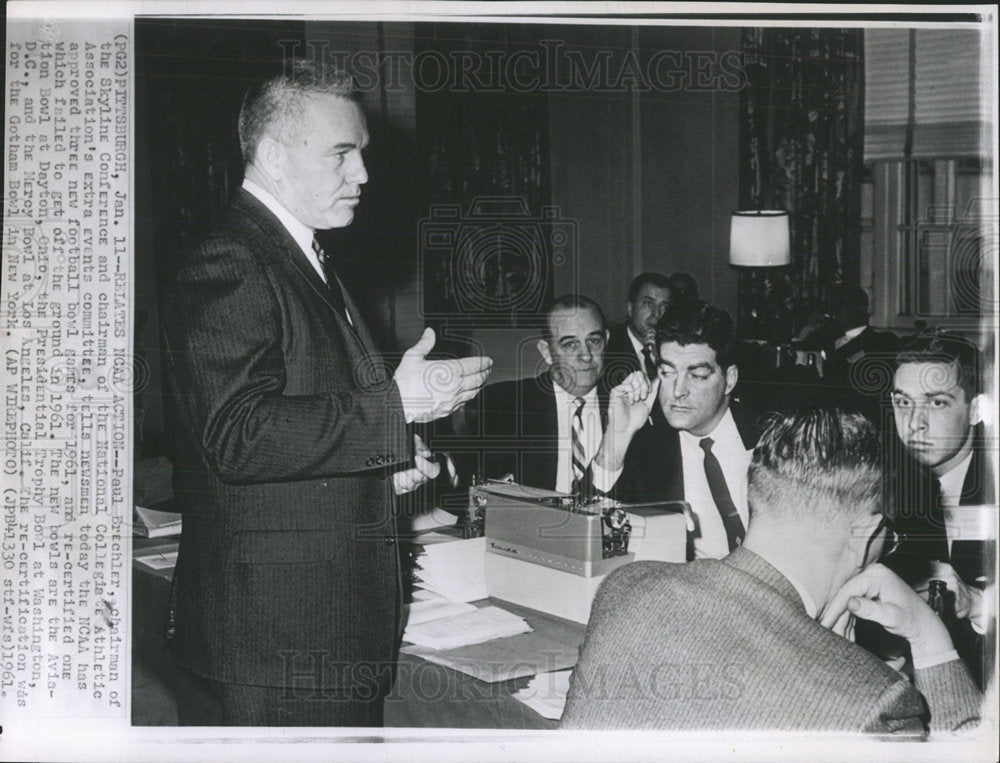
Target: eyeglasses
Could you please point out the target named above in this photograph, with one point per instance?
(893, 539)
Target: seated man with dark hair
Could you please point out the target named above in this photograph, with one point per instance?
(937, 411)
(745, 642)
(631, 344)
(695, 445)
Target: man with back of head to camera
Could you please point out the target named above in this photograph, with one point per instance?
(293, 435)
(681, 437)
(752, 641)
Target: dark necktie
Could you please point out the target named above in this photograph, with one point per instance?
(735, 532)
(576, 442)
(648, 361)
(336, 295)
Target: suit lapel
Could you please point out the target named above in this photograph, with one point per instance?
(542, 422)
(271, 226)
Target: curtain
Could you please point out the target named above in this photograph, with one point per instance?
(801, 143)
(487, 169)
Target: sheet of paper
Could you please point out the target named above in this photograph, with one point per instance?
(455, 570)
(159, 561)
(422, 611)
(466, 628)
(546, 694)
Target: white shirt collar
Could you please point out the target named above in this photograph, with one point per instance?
(563, 398)
(951, 482)
(302, 233)
(637, 344)
(726, 428)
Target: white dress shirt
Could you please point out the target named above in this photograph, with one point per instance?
(710, 537)
(959, 523)
(302, 233)
(591, 417)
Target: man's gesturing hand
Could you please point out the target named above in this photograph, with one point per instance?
(630, 402)
(432, 389)
(629, 405)
(878, 594)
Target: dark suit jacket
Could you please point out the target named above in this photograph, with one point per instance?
(653, 470)
(727, 644)
(619, 357)
(917, 500)
(514, 428)
(286, 422)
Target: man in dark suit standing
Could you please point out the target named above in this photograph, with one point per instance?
(938, 414)
(292, 432)
(695, 445)
(545, 429)
(630, 344)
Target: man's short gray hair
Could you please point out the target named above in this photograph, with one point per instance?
(822, 463)
(276, 106)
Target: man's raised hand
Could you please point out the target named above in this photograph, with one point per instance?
(432, 389)
(630, 402)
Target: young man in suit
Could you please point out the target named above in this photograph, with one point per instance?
(292, 433)
(752, 641)
(938, 411)
(695, 444)
(545, 429)
(630, 344)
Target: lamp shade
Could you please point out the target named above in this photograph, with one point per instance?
(759, 239)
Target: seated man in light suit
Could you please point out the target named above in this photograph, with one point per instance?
(745, 642)
(544, 430)
(695, 445)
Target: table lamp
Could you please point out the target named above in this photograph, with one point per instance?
(757, 239)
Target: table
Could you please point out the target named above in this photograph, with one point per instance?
(425, 695)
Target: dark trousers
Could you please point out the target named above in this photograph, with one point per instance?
(204, 702)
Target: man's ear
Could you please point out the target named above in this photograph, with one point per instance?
(270, 158)
(628, 309)
(979, 410)
(732, 376)
(543, 349)
(858, 536)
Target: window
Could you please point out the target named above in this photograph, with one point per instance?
(929, 242)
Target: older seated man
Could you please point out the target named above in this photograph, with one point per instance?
(745, 642)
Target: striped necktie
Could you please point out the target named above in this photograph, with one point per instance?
(336, 295)
(576, 440)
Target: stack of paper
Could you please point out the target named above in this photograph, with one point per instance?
(430, 609)
(454, 570)
(466, 628)
(546, 694)
(151, 523)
